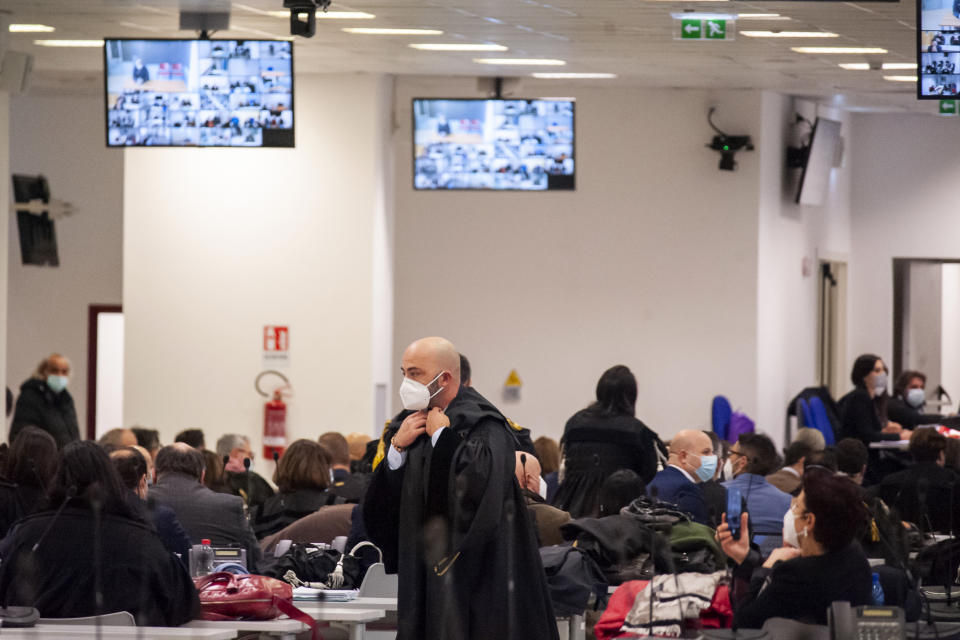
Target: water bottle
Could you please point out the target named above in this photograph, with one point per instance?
(877, 595)
(204, 558)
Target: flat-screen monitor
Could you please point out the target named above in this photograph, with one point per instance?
(38, 236)
(938, 44)
(821, 159)
(523, 145)
(199, 93)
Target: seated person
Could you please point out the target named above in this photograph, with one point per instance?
(202, 512)
(926, 493)
(548, 519)
(238, 477)
(27, 473)
(863, 411)
(192, 437)
(812, 437)
(131, 466)
(303, 478)
(322, 526)
(691, 461)
(752, 457)
(548, 453)
(852, 458)
(116, 438)
(801, 583)
(714, 493)
(787, 478)
(51, 559)
(909, 397)
(347, 485)
(620, 489)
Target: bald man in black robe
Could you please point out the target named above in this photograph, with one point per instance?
(446, 509)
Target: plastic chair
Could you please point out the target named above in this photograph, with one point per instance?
(720, 416)
(377, 583)
(115, 619)
(821, 422)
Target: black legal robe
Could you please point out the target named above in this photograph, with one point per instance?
(452, 522)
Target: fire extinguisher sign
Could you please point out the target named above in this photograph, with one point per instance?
(276, 345)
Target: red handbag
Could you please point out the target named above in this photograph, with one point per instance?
(227, 596)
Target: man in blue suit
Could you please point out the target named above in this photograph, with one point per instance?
(691, 462)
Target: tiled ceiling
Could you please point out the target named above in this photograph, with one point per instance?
(631, 38)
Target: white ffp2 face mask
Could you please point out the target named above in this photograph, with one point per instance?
(543, 488)
(415, 396)
(790, 529)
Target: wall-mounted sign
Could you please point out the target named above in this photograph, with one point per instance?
(704, 26)
(276, 346)
(948, 107)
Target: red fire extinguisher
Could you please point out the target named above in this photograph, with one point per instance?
(274, 418)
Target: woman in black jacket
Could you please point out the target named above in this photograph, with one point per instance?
(863, 411)
(93, 547)
(604, 437)
(801, 583)
(27, 472)
(302, 477)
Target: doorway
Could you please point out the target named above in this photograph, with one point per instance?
(104, 369)
(832, 326)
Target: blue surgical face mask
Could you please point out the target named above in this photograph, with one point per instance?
(57, 383)
(708, 467)
(916, 397)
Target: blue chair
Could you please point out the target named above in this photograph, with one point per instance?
(821, 422)
(720, 416)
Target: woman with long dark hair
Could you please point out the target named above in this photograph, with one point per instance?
(863, 411)
(92, 546)
(604, 437)
(27, 472)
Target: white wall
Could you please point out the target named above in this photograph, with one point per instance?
(904, 204)
(949, 330)
(789, 234)
(651, 262)
(220, 242)
(62, 138)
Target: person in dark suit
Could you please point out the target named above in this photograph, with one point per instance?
(132, 466)
(800, 583)
(691, 462)
(926, 493)
(202, 512)
(863, 411)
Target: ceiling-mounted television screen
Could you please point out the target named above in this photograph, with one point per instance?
(199, 93)
(522, 145)
(938, 43)
(822, 156)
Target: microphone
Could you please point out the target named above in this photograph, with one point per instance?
(276, 456)
(523, 465)
(71, 494)
(246, 466)
(94, 495)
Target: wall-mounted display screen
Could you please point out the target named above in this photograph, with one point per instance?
(938, 39)
(199, 93)
(525, 145)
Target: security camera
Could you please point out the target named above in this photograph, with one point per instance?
(303, 16)
(727, 145)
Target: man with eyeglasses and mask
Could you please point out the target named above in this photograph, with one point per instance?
(445, 507)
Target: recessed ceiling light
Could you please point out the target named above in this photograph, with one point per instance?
(573, 76)
(889, 66)
(788, 34)
(459, 47)
(68, 43)
(31, 28)
(900, 78)
(839, 50)
(539, 62)
(761, 16)
(699, 15)
(330, 15)
(392, 32)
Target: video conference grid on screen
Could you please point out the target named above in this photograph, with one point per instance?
(208, 93)
(939, 60)
(493, 144)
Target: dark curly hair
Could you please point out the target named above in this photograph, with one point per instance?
(838, 506)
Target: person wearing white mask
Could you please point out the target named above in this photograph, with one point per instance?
(691, 462)
(445, 507)
(548, 519)
(906, 407)
(44, 402)
(825, 565)
(863, 411)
